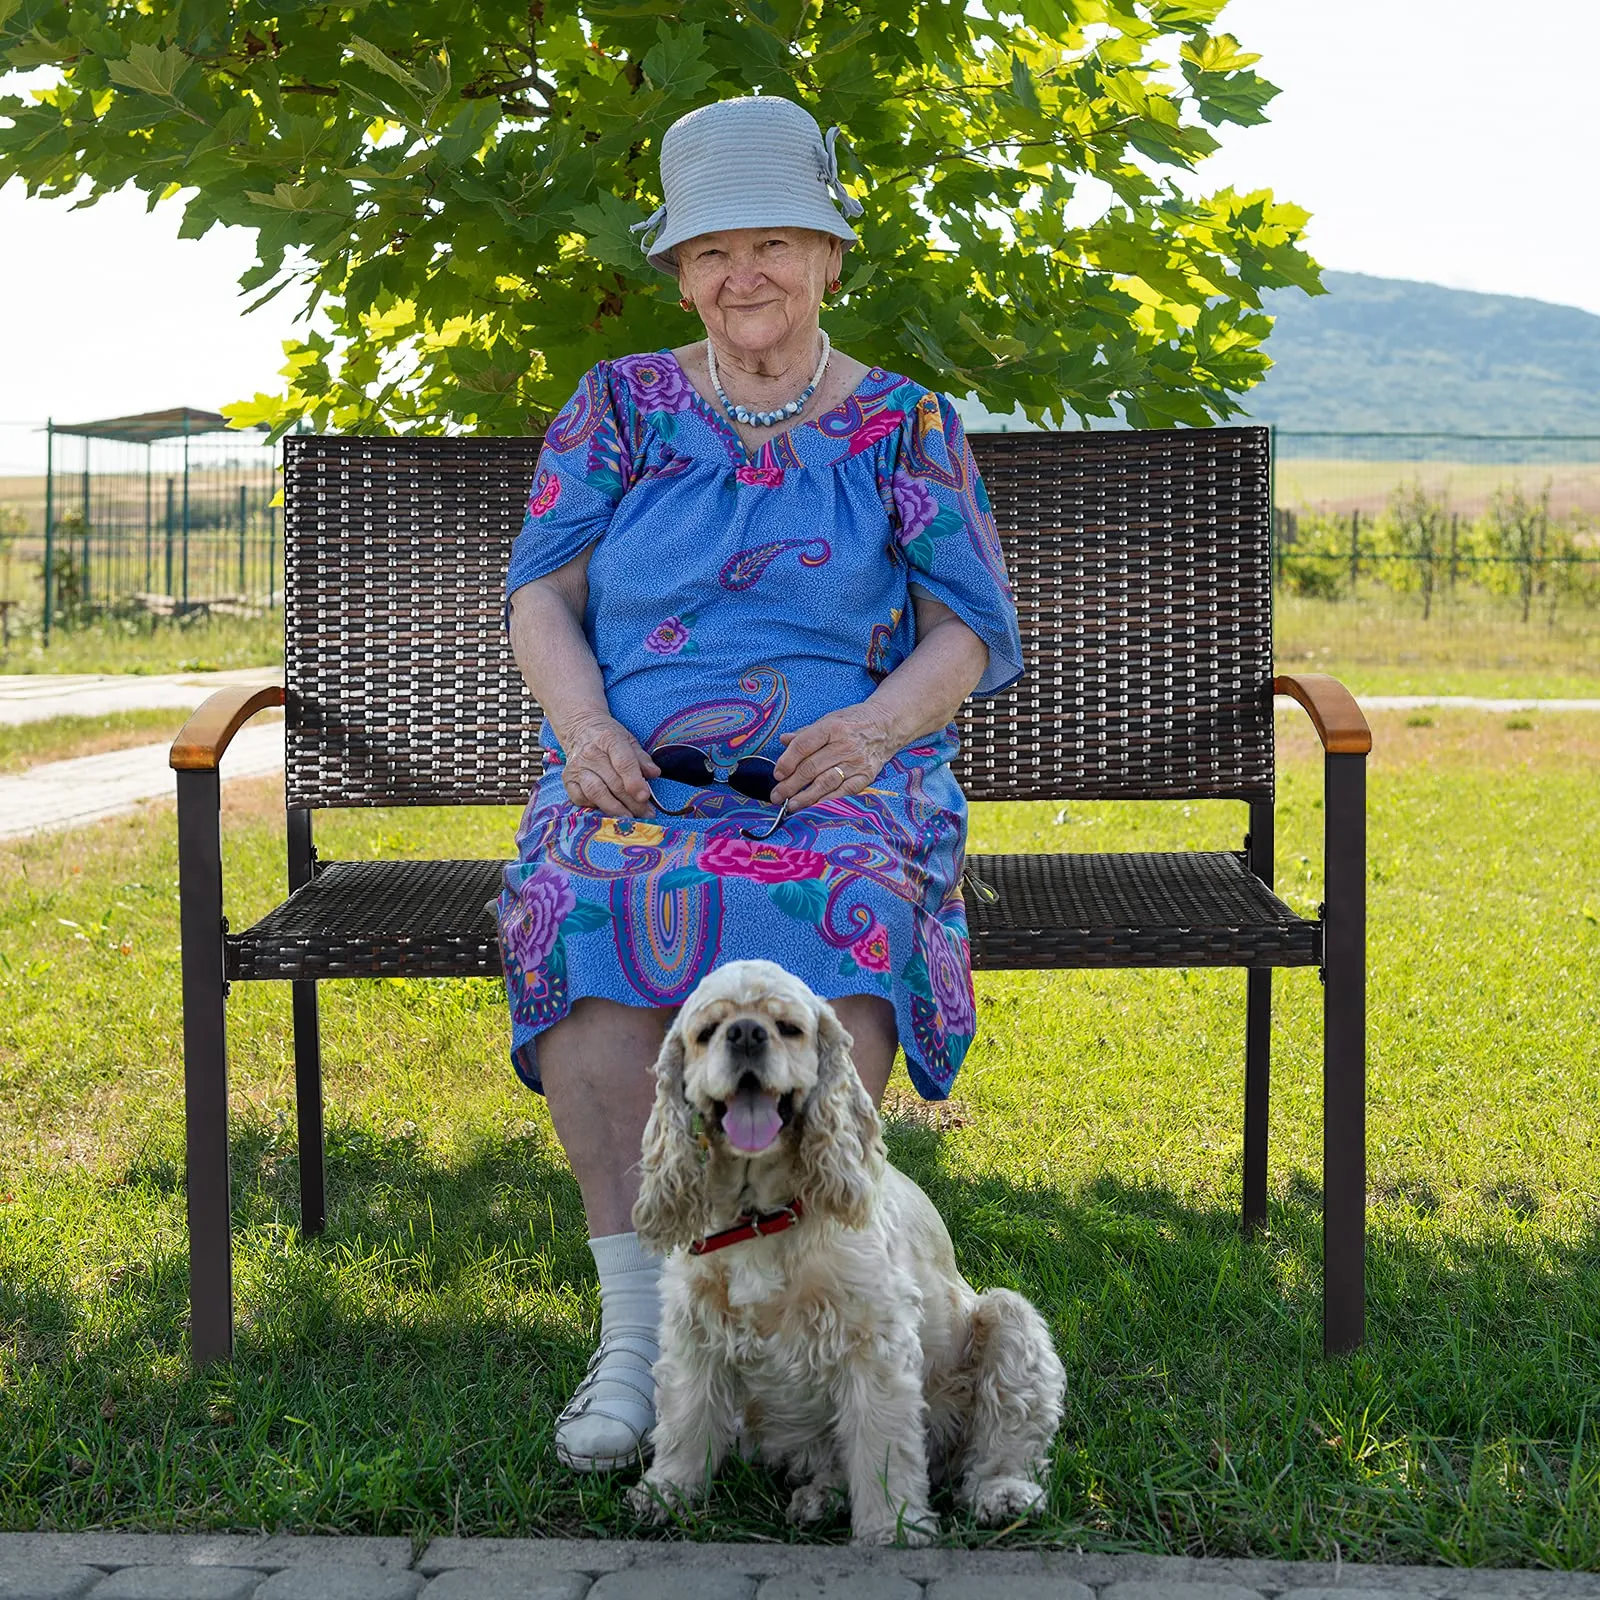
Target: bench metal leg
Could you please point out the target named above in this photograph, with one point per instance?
(1257, 1087)
(307, 1051)
(205, 1065)
(1344, 1151)
(1257, 1035)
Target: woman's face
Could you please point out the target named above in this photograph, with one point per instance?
(757, 288)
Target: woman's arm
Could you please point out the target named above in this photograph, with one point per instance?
(919, 697)
(605, 769)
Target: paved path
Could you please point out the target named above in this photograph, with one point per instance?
(35, 696)
(123, 1566)
(67, 794)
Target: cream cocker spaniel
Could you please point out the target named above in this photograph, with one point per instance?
(843, 1346)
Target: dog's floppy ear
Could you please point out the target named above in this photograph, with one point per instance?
(672, 1207)
(840, 1156)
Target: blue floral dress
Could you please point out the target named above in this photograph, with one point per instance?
(732, 599)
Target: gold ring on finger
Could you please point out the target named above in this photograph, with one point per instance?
(839, 774)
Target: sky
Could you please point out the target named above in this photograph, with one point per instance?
(1439, 140)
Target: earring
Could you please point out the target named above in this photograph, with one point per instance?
(686, 302)
(834, 287)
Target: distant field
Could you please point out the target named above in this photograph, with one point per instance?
(1335, 485)
(1345, 486)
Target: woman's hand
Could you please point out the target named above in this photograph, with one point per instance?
(606, 768)
(841, 753)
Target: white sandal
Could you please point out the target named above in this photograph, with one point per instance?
(610, 1420)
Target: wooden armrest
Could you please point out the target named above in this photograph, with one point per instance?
(203, 738)
(1339, 722)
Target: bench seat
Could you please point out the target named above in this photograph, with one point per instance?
(429, 919)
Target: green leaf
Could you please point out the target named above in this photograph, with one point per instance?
(155, 69)
(804, 899)
(684, 878)
(1022, 85)
(677, 61)
(368, 53)
(605, 222)
(585, 917)
(914, 975)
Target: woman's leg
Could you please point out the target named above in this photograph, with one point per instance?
(595, 1064)
(870, 1023)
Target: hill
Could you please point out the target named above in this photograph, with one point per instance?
(1389, 355)
(1385, 353)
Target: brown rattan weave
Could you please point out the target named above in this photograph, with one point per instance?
(1197, 909)
(373, 919)
(401, 690)
(428, 919)
(1140, 562)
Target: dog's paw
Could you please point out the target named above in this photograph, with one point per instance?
(657, 1502)
(1002, 1500)
(911, 1531)
(815, 1501)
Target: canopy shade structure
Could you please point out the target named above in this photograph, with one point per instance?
(148, 426)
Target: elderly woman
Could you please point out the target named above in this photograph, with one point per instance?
(756, 581)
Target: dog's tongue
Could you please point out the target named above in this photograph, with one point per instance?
(751, 1121)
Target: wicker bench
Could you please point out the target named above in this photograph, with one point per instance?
(1141, 565)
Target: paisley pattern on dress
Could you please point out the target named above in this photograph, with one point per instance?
(744, 570)
(717, 625)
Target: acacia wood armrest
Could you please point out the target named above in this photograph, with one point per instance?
(1333, 709)
(203, 738)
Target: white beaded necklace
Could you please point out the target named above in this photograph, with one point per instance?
(763, 419)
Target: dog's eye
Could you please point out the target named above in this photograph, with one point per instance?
(789, 1029)
(706, 1034)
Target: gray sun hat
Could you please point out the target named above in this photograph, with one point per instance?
(756, 162)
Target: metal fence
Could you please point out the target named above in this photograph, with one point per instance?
(166, 514)
(1432, 515)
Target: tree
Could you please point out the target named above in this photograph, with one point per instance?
(453, 183)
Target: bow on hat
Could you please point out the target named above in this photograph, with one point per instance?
(829, 174)
(653, 221)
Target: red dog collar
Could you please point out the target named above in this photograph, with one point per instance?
(752, 1225)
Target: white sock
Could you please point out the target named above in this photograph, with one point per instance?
(630, 1286)
(613, 1410)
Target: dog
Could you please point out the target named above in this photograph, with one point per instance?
(833, 1336)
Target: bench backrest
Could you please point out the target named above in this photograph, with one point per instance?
(1140, 562)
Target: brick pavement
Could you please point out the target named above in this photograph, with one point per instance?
(127, 1566)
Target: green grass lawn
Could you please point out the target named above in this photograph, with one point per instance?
(148, 644)
(30, 744)
(1477, 645)
(401, 1374)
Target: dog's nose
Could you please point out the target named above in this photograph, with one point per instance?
(746, 1037)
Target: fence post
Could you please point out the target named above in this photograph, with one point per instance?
(148, 485)
(186, 514)
(243, 511)
(170, 525)
(83, 581)
(49, 521)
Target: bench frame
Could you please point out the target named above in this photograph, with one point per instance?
(210, 955)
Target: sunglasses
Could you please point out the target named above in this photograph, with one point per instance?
(754, 776)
